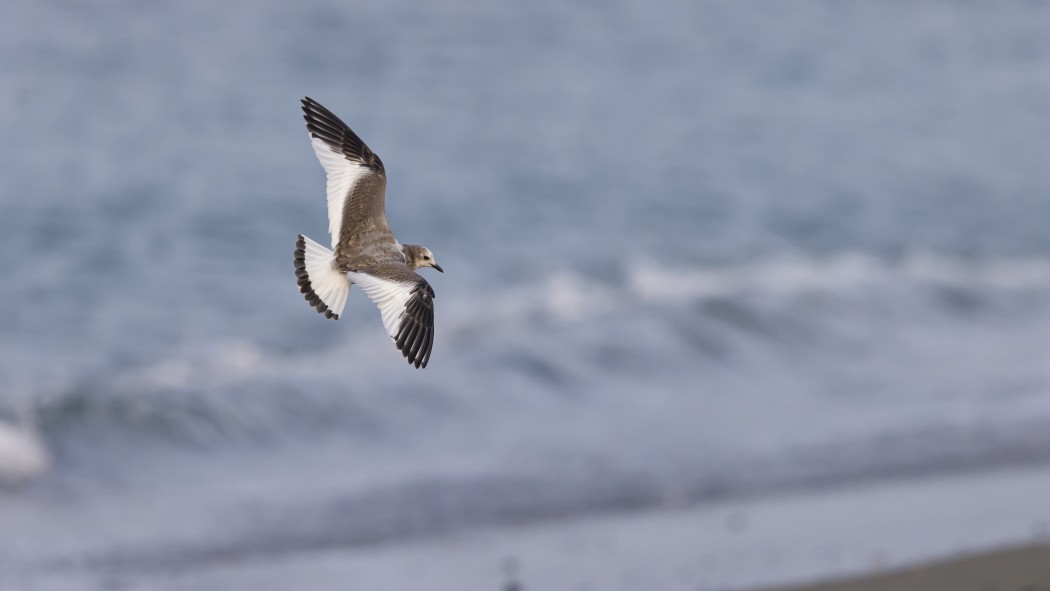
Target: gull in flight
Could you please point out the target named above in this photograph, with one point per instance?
(364, 250)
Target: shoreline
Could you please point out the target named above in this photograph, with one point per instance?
(1023, 567)
(983, 531)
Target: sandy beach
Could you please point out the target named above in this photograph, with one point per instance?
(894, 536)
(1018, 568)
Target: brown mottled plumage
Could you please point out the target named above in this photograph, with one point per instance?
(364, 250)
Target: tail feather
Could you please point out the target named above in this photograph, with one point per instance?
(323, 285)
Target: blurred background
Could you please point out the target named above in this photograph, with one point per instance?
(697, 254)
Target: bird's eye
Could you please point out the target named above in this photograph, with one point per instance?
(426, 257)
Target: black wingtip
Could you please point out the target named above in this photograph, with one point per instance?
(302, 279)
(324, 125)
(415, 335)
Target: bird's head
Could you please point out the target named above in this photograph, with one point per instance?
(418, 257)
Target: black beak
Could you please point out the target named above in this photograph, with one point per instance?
(438, 267)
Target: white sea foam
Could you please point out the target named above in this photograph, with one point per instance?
(23, 454)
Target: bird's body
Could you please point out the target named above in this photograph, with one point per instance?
(364, 250)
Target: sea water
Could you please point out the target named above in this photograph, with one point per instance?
(694, 251)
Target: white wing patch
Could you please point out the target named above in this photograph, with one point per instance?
(318, 276)
(391, 297)
(407, 308)
(342, 175)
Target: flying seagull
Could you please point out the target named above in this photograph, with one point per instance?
(364, 250)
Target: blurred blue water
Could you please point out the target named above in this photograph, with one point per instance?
(713, 247)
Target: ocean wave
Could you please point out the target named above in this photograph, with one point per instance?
(577, 336)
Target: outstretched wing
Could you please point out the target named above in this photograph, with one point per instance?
(356, 179)
(406, 304)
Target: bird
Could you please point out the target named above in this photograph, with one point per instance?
(364, 250)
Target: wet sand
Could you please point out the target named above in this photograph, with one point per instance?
(1025, 568)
